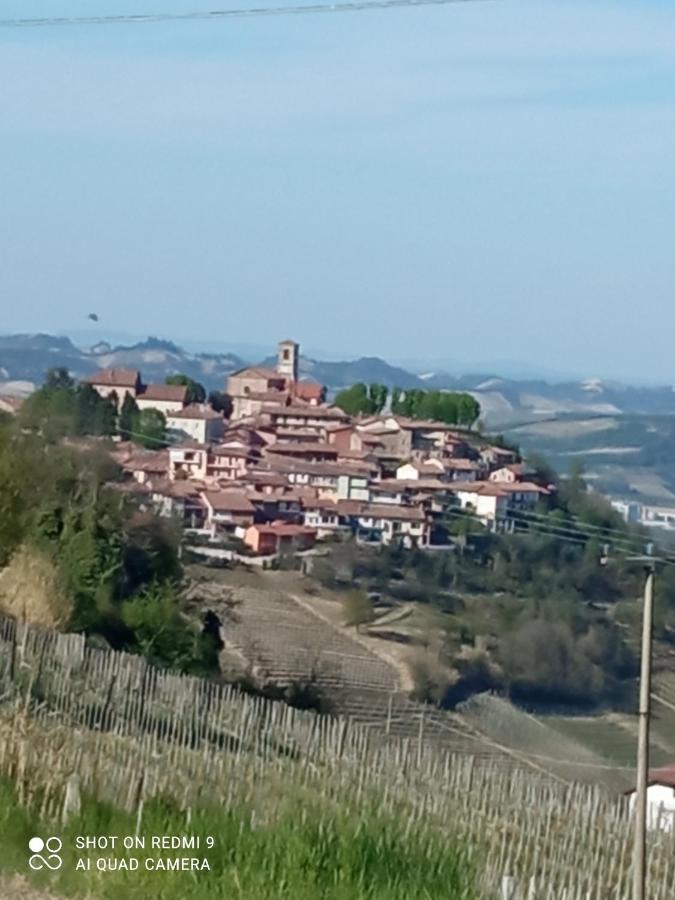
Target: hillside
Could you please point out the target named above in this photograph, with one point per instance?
(24, 359)
(316, 804)
(630, 456)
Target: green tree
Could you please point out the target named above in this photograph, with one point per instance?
(378, 394)
(59, 379)
(362, 399)
(196, 392)
(354, 400)
(93, 414)
(163, 634)
(149, 429)
(128, 417)
(221, 402)
(358, 609)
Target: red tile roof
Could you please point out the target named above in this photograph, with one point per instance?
(308, 390)
(170, 392)
(663, 775)
(467, 465)
(521, 487)
(115, 378)
(195, 411)
(292, 448)
(392, 511)
(309, 412)
(258, 372)
(284, 529)
(228, 501)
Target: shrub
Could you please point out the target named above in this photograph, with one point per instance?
(31, 589)
(358, 609)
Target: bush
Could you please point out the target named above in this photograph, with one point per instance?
(543, 661)
(431, 680)
(32, 590)
(358, 609)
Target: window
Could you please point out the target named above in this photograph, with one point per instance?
(287, 353)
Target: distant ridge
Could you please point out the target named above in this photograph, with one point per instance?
(25, 358)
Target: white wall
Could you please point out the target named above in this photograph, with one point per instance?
(660, 807)
(165, 406)
(193, 429)
(407, 471)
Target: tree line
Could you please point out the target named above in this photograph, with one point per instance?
(78, 554)
(62, 407)
(449, 407)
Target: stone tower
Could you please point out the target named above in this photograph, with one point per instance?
(287, 359)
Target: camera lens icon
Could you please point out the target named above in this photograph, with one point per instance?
(52, 860)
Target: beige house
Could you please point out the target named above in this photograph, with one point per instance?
(196, 422)
(229, 511)
(167, 398)
(252, 387)
(116, 381)
(409, 524)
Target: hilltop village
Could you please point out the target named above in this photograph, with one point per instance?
(287, 468)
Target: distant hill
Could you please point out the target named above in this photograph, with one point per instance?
(505, 402)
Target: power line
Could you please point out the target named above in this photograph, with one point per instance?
(530, 527)
(215, 15)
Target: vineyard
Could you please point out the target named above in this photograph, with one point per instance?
(126, 734)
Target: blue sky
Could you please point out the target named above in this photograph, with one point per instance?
(491, 184)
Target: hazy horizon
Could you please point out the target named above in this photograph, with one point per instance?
(255, 353)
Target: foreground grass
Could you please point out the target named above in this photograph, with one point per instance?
(306, 855)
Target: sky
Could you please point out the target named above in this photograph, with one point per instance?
(484, 185)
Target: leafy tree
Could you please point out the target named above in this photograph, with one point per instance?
(378, 394)
(362, 399)
(94, 414)
(449, 407)
(61, 408)
(128, 417)
(163, 634)
(59, 379)
(150, 429)
(221, 402)
(543, 661)
(196, 392)
(358, 608)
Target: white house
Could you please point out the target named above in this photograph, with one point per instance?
(353, 486)
(488, 501)
(412, 471)
(321, 514)
(197, 422)
(167, 398)
(407, 523)
(660, 799)
(229, 511)
(188, 460)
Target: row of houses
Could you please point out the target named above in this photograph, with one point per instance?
(289, 468)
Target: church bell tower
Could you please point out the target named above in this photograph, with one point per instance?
(287, 359)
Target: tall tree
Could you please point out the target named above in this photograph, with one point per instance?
(362, 399)
(129, 413)
(58, 378)
(150, 429)
(221, 402)
(196, 392)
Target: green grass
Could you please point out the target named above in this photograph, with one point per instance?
(306, 855)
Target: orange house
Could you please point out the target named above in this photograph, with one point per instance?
(279, 537)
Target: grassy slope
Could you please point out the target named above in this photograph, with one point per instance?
(307, 855)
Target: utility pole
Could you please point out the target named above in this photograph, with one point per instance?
(640, 848)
